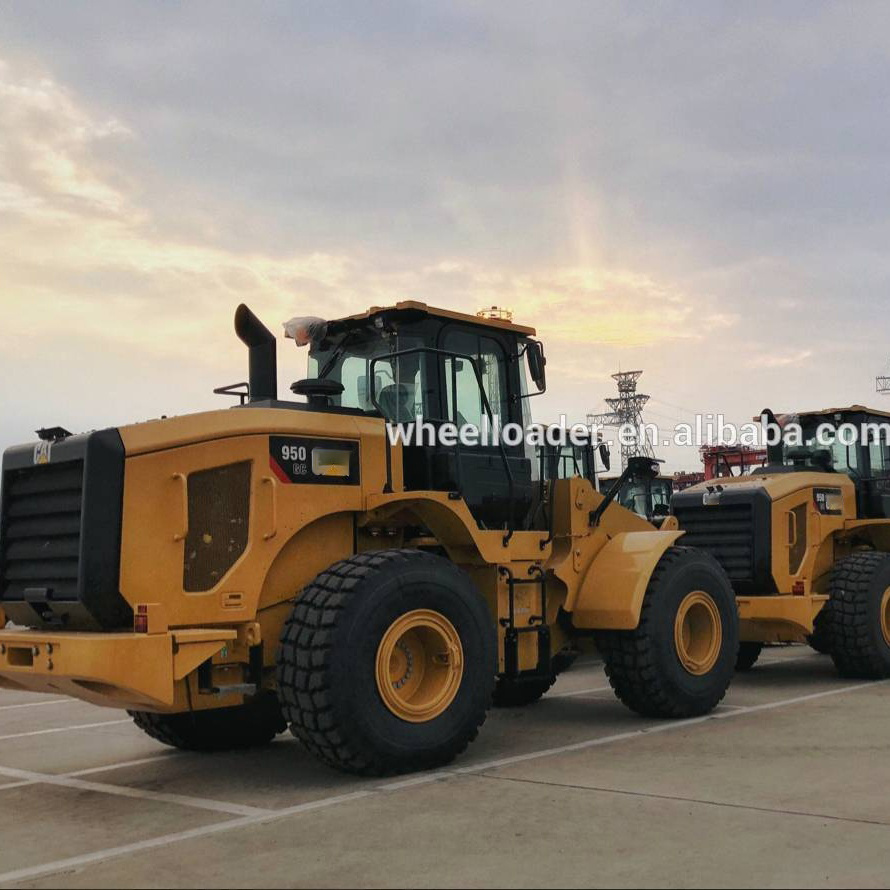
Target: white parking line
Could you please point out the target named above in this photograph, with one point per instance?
(10, 785)
(39, 704)
(35, 871)
(201, 803)
(157, 758)
(667, 726)
(810, 656)
(34, 732)
(579, 692)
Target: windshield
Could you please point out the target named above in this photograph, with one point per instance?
(661, 493)
(633, 496)
(646, 498)
(568, 461)
(829, 453)
(400, 382)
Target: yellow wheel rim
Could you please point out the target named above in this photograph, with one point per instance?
(698, 633)
(420, 663)
(885, 616)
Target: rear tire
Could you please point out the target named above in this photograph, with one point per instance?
(250, 725)
(748, 655)
(517, 693)
(339, 696)
(820, 639)
(857, 615)
(646, 667)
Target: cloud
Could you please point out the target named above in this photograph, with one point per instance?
(780, 360)
(81, 253)
(682, 189)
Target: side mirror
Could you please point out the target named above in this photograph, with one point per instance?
(605, 456)
(537, 364)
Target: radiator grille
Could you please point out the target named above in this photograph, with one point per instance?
(726, 531)
(41, 530)
(219, 514)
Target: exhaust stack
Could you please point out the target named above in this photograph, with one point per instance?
(260, 342)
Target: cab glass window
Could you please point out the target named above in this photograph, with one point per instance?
(879, 460)
(401, 384)
(463, 401)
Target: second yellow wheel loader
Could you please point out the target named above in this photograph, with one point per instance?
(224, 575)
(805, 540)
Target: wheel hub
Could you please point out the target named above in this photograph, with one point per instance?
(401, 664)
(419, 665)
(698, 633)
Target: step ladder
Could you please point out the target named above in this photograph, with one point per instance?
(537, 624)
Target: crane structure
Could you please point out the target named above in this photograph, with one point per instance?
(721, 460)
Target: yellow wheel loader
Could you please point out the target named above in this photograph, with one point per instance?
(305, 563)
(805, 540)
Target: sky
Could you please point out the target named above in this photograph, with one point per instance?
(697, 189)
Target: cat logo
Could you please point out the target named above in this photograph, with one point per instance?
(42, 453)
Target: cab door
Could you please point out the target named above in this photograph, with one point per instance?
(494, 480)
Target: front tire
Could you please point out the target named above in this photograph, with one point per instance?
(387, 663)
(857, 615)
(680, 659)
(250, 725)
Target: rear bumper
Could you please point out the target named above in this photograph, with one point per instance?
(121, 670)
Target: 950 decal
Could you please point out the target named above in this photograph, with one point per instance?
(300, 460)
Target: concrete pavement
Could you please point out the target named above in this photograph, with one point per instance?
(785, 785)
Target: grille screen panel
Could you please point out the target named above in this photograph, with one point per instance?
(41, 530)
(726, 532)
(219, 519)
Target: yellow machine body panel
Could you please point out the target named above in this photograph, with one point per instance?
(811, 523)
(124, 670)
(156, 515)
(611, 593)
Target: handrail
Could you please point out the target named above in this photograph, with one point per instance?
(429, 350)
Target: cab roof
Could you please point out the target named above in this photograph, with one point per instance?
(852, 409)
(827, 412)
(412, 310)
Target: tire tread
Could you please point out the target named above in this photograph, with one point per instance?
(848, 622)
(630, 658)
(304, 660)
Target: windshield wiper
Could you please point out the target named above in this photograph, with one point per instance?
(338, 354)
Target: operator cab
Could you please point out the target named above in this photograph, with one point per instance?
(565, 460)
(412, 363)
(649, 498)
(824, 448)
